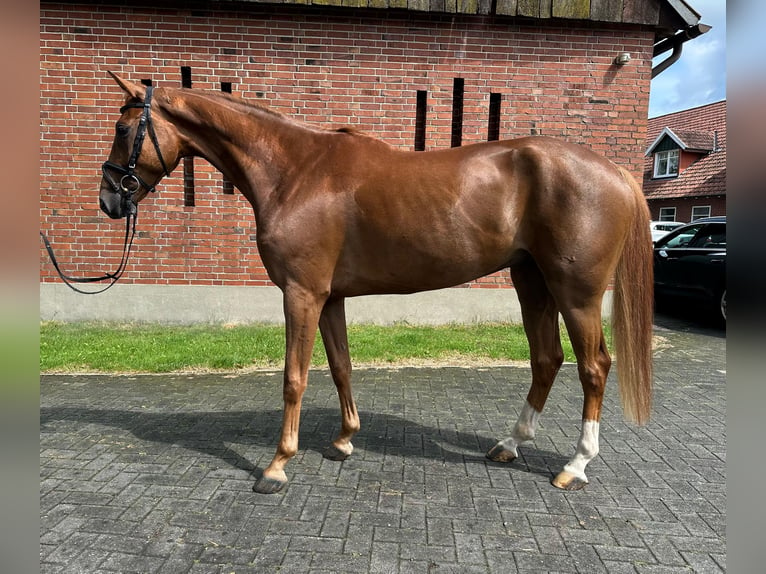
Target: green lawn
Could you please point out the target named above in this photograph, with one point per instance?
(84, 347)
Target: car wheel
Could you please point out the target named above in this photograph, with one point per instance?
(722, 306)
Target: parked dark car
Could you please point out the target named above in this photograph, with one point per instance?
(690, 262)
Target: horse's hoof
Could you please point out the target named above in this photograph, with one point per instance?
(332, 452)
(265, 485)
(499, 453)
(568, 481)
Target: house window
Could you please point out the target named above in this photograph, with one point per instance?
(700, 211)
(667, 213)
(666, 163)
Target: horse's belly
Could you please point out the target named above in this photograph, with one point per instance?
(412, 268)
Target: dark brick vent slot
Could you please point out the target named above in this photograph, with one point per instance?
(186, 82)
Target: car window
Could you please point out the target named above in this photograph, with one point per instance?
(710, 237)
(680, 237)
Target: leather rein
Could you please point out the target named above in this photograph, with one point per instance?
(128, 185)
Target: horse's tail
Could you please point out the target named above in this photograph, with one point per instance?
(632, 312)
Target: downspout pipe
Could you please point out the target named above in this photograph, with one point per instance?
(676, 43)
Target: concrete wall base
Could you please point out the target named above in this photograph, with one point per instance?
(190, 304)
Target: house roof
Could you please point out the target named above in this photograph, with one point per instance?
(665, 16)
(687, 140)
(701, 129)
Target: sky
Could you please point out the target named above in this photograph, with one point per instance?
(699, 77)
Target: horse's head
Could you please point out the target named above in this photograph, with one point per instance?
(135, 166)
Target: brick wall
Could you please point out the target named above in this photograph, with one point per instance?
(685, 205)
(326, 66)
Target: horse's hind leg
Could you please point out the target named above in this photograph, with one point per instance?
(593, 362)
(540, 316)
(332, 325)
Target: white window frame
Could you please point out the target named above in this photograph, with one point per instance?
(704, 209)
(663, 164)
(667, 211)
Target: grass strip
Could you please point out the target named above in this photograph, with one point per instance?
(151, 348)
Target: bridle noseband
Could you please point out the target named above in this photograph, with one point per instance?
(130, 182)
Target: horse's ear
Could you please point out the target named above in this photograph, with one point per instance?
(137, 91)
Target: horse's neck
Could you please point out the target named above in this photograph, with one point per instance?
(247, 144)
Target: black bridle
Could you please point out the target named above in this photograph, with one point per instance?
(129, 184)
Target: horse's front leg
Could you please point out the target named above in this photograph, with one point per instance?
(332, 325)
(302, 309)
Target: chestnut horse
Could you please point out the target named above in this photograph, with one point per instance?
(341, 214)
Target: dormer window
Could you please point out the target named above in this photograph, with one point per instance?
(674, 151)
(666, 163)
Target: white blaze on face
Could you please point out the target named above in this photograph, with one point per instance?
(587, 449)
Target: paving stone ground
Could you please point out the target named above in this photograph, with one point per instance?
(153, 474)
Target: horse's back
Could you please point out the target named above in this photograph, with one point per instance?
(528, 191)
(370, 218)
(426, 220)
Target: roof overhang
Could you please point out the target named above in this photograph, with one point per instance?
(666, 132)
(692, 141)
(678, 23)
(688, 14)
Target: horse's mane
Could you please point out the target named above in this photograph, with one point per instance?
(354, 131)
(250, 107)
(232, 101)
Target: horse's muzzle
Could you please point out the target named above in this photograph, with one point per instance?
(113, 204)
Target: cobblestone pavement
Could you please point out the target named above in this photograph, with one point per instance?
(154, 474)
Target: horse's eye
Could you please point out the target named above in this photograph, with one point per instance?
(123, 130)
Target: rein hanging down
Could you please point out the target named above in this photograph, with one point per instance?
(130, 233)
